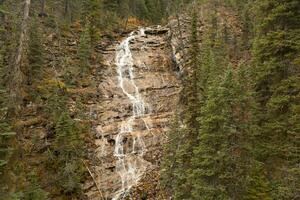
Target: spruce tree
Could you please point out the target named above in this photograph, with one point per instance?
(124, 10)
(251, 177)
(34, 190)
(170, 156)
(191, 108)
(154, 10)
(258, 187)
(212, 152)
(6, 135)
(111, 5)
(69, 150)
(35, 52)
(84, 50)
(221, 158)
(139, 9)
(92, 17)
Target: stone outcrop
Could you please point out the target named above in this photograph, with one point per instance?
(158, 86)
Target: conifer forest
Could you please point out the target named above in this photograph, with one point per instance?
(149, 99)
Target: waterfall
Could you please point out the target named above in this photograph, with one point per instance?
(130, 163)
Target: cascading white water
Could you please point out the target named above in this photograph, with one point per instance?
(130, 163)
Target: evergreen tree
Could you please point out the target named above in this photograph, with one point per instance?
(250, 173)
(84, 49)
(213, 161)
(35, 52)
(92, 16)
(34, 191)
(178, 154)
(139, 9)
(5, 149)
(222, 158)
(69, 149)
(124, 10)
(6, 136)
(191, 107)
(171, 155)
(111, 5)
(154, 10)
(258, 186)
(191, 95)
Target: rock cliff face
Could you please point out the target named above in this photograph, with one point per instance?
(158, 89)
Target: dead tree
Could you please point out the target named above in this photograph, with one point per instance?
(2, 13)
(17, 76)
(67, 9)
(43, 13)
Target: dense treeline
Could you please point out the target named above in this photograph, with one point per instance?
(237, 135)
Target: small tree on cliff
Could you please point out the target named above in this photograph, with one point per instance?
(35, 52)
(34, 190)
(191, 100)
(171, 156)
(69, 150)
(84, 49)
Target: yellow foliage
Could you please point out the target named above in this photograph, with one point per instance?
(297, 60)
(77, 26)
(54, 82)
(133, 22)
(49, 85)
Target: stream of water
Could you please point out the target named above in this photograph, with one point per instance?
(130, 163)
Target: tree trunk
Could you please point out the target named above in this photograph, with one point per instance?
(67, 8)
(2, 15)
(43, 6)
(17, 75)
(43, 13)
(2, 2)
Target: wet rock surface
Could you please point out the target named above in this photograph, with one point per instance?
(159, 87)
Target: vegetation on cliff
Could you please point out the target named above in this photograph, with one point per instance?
(246, 140)
(50, 59)
(235, 135)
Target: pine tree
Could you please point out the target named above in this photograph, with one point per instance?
(258, 186)
(124, 10)
(249, 171)
(139, 9)
(69, 149)
(154, 10)
(221, 158)
(84, 49)
(34, 191)
(35, 52)
(92, 15)
(111, 5)
(211, 154)
(191, 107)
(7, 136)
(170, 155)
(5, 150)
